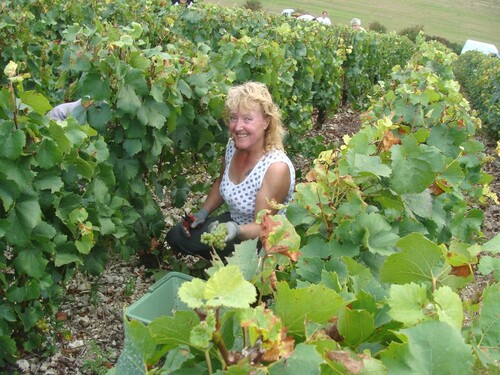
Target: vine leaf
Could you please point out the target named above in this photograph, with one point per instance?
(23, 217)
(410, 305)
(487, 343)
(227, 287)
(420, 260)
(13, 141)
(429, 348)
(138, 342)
(35, 100)
(449, 307)
(297, 306)
(493, 245)
(304, 360)
(407, 303)
(355, 326)
(414, 166)
(278, 236)
(174, 330)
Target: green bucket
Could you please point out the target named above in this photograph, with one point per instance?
(161, 299)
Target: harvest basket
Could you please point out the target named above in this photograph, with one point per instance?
(161, 299)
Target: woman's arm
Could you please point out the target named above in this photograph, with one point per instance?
(275, 186)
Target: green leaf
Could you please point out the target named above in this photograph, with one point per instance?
(449, 307)
(184, 88)
(407, 303)
(138, 342)
(13, 141)
(245, 257)
(201, 335)
(9, 191)
(85, 243)
(48, 154)
(95, 86)
(23, 217)
(76, 133)
(363, 165)
(48, 180)
(63, 258)
(31, 262)
(58, 134)
(419, 260)
(85, 168)
(375, 233)
(418, 204)
(95, 262)
(227, 287)
(488, 339)
(37, 101)
(153, 114)
(493, 245)
(19, 171)
(192, 293)
(303, 360)
(429, 348)
(174, 330)
(127, 100)
(414, 166)
(297, 306)
(488, 264)
(132, 146)
(355, 326)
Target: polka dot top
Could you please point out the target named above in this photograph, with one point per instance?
(241, 197)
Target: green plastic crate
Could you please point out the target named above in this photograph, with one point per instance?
(161, 299)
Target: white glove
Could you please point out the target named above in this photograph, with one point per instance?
(199, 218)
(233, 229)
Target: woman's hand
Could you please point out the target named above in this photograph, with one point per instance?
(195, 220)
(232, 227)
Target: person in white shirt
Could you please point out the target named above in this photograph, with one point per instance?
(324, 18)
(306, 17)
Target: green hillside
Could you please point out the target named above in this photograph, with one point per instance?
(455, 20)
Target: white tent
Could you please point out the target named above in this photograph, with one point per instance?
(474, 45)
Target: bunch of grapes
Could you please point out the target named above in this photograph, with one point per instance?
(42, 325)
(216, 237)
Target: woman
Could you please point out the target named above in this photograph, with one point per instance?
(255, 171)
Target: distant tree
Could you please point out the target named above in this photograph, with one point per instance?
(454, 46)
(412, 32)
(377, 27)
(253, 5)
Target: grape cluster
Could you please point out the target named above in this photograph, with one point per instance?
(215, 238)
(42, 325)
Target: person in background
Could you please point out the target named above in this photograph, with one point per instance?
(324, 18)
(306, 17)
(254, 172)
(62, 111)
(356, 24)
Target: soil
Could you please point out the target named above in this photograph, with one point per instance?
(90, 329)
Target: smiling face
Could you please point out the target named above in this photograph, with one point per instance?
(248, 128)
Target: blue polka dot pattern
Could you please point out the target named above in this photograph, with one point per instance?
(241, 197)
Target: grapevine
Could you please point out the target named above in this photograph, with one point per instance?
(215, 238)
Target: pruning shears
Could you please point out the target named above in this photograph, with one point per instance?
(187, 220)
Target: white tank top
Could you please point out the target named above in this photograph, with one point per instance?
(241, 197)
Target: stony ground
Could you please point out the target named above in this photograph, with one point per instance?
(90, 332)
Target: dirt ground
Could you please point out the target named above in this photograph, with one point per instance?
(90, 337)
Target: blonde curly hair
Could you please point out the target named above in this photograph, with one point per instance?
(247, 97)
